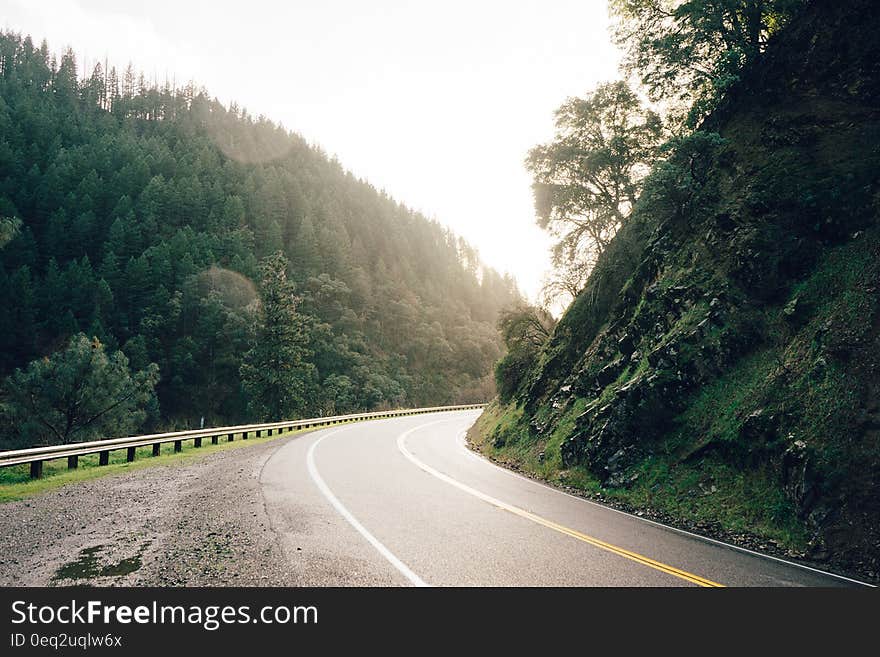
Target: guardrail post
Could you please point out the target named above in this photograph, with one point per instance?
(214, 439)
(72, 462)
(197, 442)
(36, 469)
(130, 454)
(269, 433)
(157, 447)
(259, 431)
(104, 457)
(178, 445)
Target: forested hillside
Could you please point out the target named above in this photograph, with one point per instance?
(718, 368)
(151, 217)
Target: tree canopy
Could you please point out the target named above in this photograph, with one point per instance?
(139, 214)
(688, 52)
(587, 180)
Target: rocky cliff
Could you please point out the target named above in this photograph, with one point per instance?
(720, 370)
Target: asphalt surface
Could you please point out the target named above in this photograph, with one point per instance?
(395, 502)
(404, 502)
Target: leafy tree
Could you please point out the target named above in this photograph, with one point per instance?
(79, 393)
(587, 180)
(275, 372)
(565, 281)
(524, 329)
(525, 326)
(692, 50)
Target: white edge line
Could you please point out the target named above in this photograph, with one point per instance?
(463, 441)
(401, 446)
(414, 579)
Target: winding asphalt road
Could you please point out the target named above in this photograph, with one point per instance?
(404, 502)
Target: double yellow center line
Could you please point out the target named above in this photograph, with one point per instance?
(522, 513)
(602, 545)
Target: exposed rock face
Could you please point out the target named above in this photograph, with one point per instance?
(741, 327)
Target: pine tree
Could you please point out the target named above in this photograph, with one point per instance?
(112, 93)
(275, 374)
(78, 393)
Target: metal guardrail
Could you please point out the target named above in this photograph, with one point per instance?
(37, 455)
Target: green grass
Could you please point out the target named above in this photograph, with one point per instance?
(738, 500)
(525, 451)
(16, 484)
(716, 411)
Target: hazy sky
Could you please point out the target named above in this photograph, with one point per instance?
(436, 102)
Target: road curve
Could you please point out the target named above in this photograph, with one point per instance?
(404, 502)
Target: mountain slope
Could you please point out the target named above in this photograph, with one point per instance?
(146, 212)
(720, 370)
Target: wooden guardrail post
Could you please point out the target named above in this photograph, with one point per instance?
(104, 457)
(197, 441)
(73, 462)
(36, 469)
(178, 445)
(214, 439)
(157, 449)
(130, 454)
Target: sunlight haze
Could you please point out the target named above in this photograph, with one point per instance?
(435, 103)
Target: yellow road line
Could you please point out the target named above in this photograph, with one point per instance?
(633, 556)
(602, 545)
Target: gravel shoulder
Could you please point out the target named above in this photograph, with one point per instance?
(199, 522)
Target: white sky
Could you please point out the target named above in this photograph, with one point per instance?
(437, 103)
